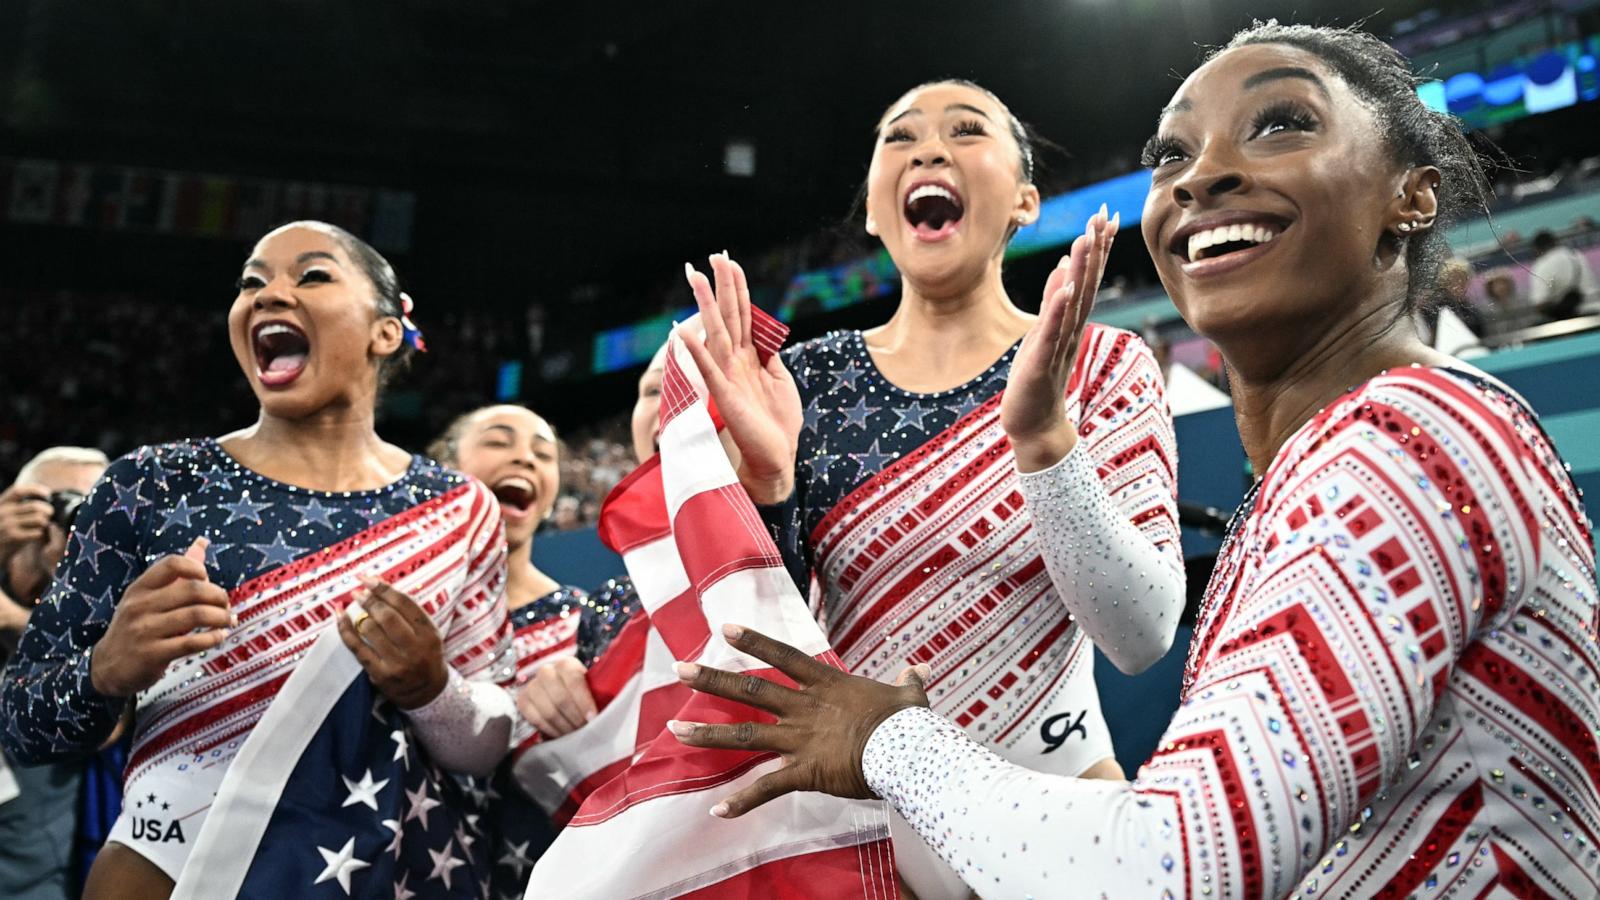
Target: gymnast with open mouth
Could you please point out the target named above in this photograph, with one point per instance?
(203, 576)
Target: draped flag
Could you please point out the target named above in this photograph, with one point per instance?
(636, 802)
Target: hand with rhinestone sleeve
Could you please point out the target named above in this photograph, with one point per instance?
(1033, 409)
(169, 612)
(821, 725)
(758, 401)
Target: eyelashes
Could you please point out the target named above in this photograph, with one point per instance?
(1291, 116)
(1158, 151)
(1278, 118)
(256, 282)
(961, 129)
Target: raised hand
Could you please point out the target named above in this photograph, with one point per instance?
(1033, 410)
(822, 726)
(167, 613)
(556, 700)
(396, 643)
(759, 402)
(24, 517)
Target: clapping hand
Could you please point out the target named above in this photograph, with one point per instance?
(758, 401)
(1033, 409)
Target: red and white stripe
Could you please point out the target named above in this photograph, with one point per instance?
(448, 547)
(700, 558)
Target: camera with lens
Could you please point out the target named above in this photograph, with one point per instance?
(64, 507)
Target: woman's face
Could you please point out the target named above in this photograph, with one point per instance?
(514, 452)
(646, 422)
(305, 328)
(945, 185)
(1271, 193)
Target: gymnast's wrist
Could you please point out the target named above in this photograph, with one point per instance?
(1041, 450)
(767, 490)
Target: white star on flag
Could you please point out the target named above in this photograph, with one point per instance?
(444, 862)
(401, 892)
(517, 858)
(341, 865)
(420, 804)
(400, 745)
(363, 791)
(394, 845)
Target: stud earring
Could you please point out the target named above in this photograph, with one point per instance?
(1404, 227)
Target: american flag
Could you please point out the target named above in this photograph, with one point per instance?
(401, 828)
(635, 800)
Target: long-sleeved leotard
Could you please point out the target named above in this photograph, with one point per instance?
(928, 548)
(288, 558)
(1393, 688)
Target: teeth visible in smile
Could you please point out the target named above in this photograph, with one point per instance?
(270, 330)
(1225, 234)
(515, 482)
(929, 190)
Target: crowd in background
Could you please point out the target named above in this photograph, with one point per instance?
(143, 370)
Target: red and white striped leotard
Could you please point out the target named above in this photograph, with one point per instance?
(1393, 688)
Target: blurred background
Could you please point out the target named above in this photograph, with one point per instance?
(539, 172)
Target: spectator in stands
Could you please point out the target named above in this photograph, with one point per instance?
(38, 804)
(1561, 284)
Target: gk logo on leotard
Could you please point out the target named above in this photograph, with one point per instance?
(1070, 726)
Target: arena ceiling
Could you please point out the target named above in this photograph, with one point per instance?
(557, 145)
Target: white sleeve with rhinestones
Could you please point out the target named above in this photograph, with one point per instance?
(1014, 832)
(1124, 592)
(467, 728)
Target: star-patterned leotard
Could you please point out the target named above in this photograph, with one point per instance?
(927, 546)
(432, 528)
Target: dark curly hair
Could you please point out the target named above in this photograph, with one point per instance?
(1417, 136)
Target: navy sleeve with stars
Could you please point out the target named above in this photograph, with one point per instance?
(50, 710)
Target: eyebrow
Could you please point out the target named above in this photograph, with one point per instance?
(512, 432)
(302, 259)
(1282, 72)
(954, 106)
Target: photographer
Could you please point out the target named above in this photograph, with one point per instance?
(38, 805)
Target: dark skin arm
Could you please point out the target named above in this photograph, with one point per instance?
(823, 724)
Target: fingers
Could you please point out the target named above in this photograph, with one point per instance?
(188, 644)
(710, 368)
(728, 301)
(26, 493)
(397, 600)
(742, 291)
(168, 569)
(197, 551)
(748, 689)
(572, 674)
(383, 629)
(186, 592)
(541, 709)
(186, 619)
(768, 787)
(733, 736)
(919, 675)
(717, 339)
(786, 659)
(364, 655)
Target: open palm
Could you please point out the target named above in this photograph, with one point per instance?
(1033, 408)
(758, 400)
